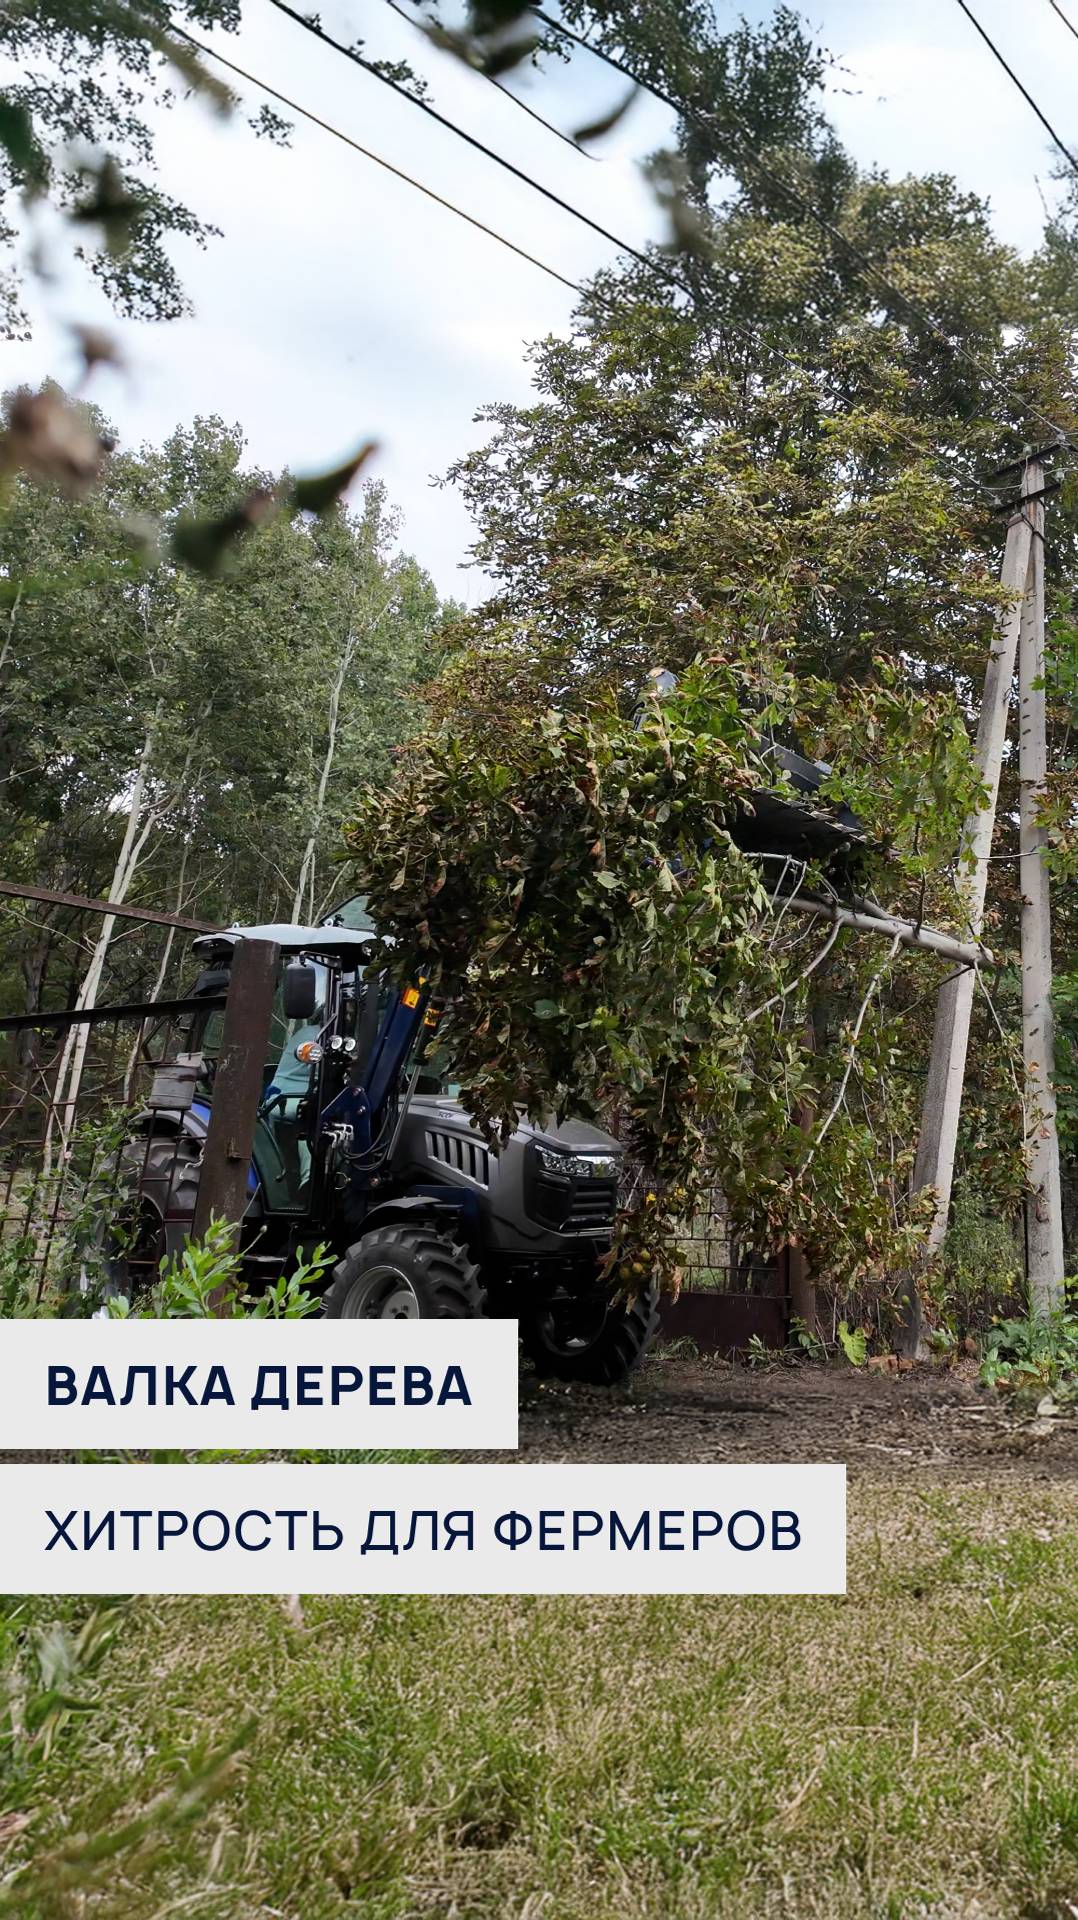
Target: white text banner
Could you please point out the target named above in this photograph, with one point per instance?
(286, 1528)
(395, 1384)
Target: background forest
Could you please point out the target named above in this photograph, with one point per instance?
(181, 741)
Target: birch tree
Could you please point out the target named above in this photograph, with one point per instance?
(167, 735)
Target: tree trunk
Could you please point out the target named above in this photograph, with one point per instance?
(305, 883)
(73, 1057)
(159, 981)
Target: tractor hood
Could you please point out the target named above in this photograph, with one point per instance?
(572, 1136)
(546, 1186)
(575, 1136)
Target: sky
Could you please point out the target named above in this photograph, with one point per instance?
(341, 305)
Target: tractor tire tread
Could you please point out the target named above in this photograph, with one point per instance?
(622, 1343)
(450, 1277)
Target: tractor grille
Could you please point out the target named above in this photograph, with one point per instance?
(464, 1156)
(571, 1206)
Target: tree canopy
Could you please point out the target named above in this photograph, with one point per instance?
(772, 486)
(253, 701)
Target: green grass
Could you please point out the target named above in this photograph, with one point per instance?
(907, 1753)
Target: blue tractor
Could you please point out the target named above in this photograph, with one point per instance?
(360, 1143)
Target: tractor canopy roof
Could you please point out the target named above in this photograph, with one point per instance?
(798, 824)
(346, 933)
(347, 944)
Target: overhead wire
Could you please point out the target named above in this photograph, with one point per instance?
(751, 160)
(472, 140)
(1054, 4)
(338, 133)
(327, 126)
(481, 226)
(866, 265)
(506, 93)
(1068, 156)
(590, 292)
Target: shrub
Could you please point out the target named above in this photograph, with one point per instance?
(979, 1273)
(203, 1281)
(1040, 1352)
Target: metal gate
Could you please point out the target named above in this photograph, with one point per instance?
(730, 1292)
(68, 1161)
(88, 1095)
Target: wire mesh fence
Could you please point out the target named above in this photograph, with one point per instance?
(715, 1260)
(93, 1161)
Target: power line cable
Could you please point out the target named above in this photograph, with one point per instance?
(1068, 156)
(866, 265)
(507, 94)
(472, 140)
(793, 193)
(1054, 4)
(398, 172)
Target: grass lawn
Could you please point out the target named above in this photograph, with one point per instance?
(909, 1750)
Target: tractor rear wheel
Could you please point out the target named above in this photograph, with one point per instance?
(590, 1337)
(405, 1273)
(156, 1181)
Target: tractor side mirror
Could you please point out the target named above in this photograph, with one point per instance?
(299, 990)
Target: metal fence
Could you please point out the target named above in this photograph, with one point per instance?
(85, 1100)
(716, 1260)
(730, 1292)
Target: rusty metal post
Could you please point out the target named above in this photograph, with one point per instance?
(237, 1085)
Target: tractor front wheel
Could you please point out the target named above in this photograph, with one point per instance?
(590, 1336)
(405, 1273)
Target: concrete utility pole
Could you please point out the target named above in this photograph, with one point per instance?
(1044, 1204)
(1020, 633)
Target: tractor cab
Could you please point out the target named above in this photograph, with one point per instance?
(320, 991)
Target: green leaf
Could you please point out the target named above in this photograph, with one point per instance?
(206, 544)
(112, 206)
(18, 139)
(595, 129)
(320, 492)
(198, 77)
(853, 1344)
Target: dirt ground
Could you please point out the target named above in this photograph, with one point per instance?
(700, 1410)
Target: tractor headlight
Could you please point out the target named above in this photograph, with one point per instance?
(578, 1166)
